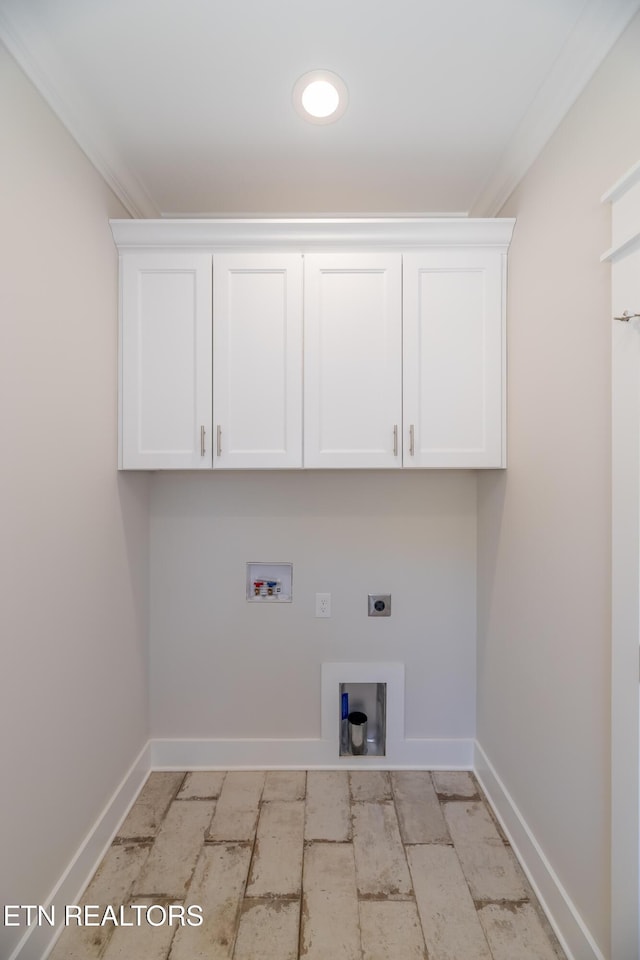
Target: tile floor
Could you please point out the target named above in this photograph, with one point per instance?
(321, 865)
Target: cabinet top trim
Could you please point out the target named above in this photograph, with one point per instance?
(364, 232)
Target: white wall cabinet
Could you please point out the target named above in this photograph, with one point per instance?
(165, 361)
(454, 359)
(353, 360)
(355, 343)
(257, 360)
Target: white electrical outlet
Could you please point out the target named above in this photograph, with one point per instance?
(323, 604)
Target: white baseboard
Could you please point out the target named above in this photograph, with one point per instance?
(567, 923)
(38, 940)
(307, 754)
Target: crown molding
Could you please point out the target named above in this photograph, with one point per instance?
(596, 31)
(38, 61)
(309, 234)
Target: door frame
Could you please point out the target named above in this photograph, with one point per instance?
(625, 571)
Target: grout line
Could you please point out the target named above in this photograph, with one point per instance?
(302, 862)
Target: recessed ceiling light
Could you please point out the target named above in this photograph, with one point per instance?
(320, 96)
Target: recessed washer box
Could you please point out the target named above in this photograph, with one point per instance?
(269, 582)
(375, 689)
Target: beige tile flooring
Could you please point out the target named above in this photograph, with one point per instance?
(321, 865)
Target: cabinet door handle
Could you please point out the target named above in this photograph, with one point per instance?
(202, 434)
(412, 437)
(626, 316)
(219, 440)
(395, 440)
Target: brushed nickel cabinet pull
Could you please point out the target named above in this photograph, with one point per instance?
(395, 440)
(219, 440)
(202, 434)
(411, 440)
(626, 316)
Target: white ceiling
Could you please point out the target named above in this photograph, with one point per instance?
(185, 105)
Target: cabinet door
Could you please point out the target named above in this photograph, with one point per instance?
(454, 329)
(257, 351)
(165, 361)
(353, 360)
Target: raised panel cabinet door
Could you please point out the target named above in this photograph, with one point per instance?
(454, 358)
(257, 351)
(165, 361)
(353, 360)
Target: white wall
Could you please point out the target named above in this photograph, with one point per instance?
(74, 541)
(544, 525)
(223, 667)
